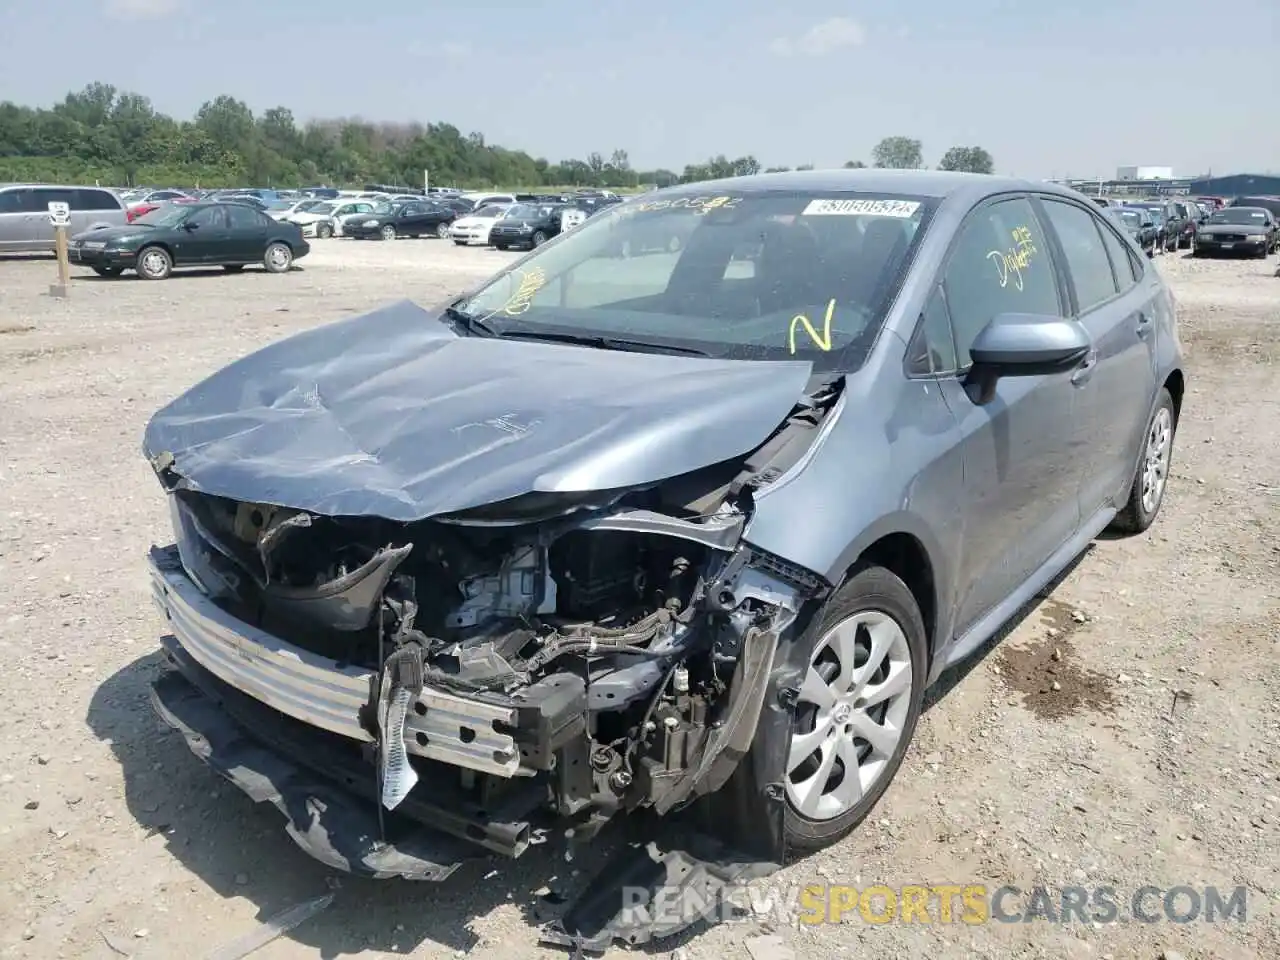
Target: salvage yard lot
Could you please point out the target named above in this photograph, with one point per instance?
(1126, 733)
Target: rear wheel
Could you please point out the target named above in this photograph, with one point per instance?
(442, 231)
(388, 232)
(1152, 475)
(278, 258)
(154, 263)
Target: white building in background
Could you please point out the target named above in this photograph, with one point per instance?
(1144, 173)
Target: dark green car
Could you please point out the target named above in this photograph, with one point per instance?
(227, 235)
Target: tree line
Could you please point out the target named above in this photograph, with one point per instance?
(118, 138)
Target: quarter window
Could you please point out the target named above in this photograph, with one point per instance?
(999, 264)
(933, 348)
(89, 199)
(1123, 260)
(1087, 260)
(242, 218)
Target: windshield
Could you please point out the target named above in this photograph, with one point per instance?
(1240, 215)
(494, 211)
(1131, 218)
(525, 211)
(168, 215)
(280, 205)
(762, 276)
(382, 208)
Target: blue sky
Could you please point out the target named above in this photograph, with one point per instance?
(1050, 88)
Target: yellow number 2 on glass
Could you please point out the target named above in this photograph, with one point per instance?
(821, 340)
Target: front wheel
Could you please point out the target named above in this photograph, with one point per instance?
(154, 263)
(442, 231)
(108, 271)
(1152, 474)
(388, 232)
(539, 238)
(278, 258)
(324, 231)
(856, 711)
(459, 243)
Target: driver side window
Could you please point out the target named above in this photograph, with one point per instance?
(1000, 263)
(210, 218)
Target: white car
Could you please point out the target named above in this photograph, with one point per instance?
(326, 219)
(475, 227)
(284, 209)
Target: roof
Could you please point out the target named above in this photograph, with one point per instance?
(920, 183)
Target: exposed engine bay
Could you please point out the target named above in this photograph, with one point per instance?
(577, 654)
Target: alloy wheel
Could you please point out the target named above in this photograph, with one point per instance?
(853, 709)
(1155, 467)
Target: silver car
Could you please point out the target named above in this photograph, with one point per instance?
(693, 529)
(24, 214)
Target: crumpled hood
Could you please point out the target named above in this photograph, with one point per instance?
(391, 414)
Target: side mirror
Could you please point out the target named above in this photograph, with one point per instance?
(190, 226)
(1024, 345)
(1148, 223)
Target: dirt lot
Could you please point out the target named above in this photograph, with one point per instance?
(1127, 733)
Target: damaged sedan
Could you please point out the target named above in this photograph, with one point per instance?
(689, 532)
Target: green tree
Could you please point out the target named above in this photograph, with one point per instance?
(854, 165)
(901, 153)
(969, 159)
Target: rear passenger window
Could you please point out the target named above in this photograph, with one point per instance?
(9, 201)
(86, 199)
(1123, 261)
(1087, 260)
(999, 264)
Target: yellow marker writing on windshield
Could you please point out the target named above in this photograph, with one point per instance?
(530, 284)
(823, 340)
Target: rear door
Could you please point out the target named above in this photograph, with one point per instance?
(247, 234)
(1020, 501)
(1117, 299)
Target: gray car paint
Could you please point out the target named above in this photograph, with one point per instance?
(31, 231)
(998, 497)
(391, 414)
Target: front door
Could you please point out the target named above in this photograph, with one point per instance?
(1020, 497)
(203, 238)
(1120, 312)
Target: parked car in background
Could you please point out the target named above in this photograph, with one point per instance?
(608, 485)
(420, 219)
(286, 209)
(1271, 204)
(176, 235)
(153, 198)
(527, 225)
(24, 213)
(474, 227)
(1168, 222)
(480, 199)
(1139, 225)
(1189, 217)
(330, 218)
(1238, 230)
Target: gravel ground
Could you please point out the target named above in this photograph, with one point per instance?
(1126, 732)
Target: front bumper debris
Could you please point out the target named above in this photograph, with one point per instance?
(334, 826)
(320, 692)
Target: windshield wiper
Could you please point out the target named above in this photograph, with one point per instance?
(601, 342)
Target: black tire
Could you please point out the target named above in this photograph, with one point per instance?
(278, 258)
(324, 231)
(538, 239)
(387, 233)
(442, 231)
(233, 267)
(108, 271)
(459, 243)
(1136, 516)
(154, 263)
(500, 246)
(870, 588)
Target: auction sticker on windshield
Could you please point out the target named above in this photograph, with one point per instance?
(862, 208)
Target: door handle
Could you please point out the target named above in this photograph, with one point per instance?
(1144, 326)
(1084, 372)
